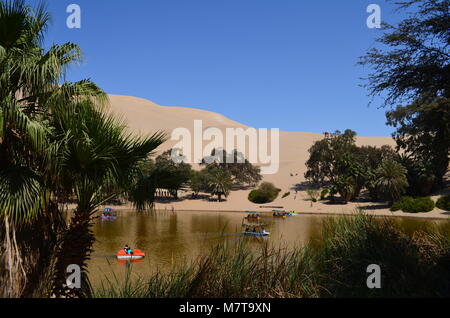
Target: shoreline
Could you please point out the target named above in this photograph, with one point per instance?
(436, 214)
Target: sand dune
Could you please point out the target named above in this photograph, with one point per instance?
(144, 117)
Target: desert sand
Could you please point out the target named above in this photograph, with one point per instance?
(144, 117)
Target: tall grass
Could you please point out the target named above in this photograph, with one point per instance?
(412, 264)
(416, 265)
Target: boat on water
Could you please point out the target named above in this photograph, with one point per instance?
(253, 215)
(137, 255)
(108, 214)
(279, 213)
(262, 233)
(258, 229)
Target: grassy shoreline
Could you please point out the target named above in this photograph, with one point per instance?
(413, 265)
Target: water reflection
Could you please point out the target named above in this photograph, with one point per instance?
(170, 239)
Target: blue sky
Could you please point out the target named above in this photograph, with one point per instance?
(288, 64)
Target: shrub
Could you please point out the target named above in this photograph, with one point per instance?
(411, 205)
(425, 204)
(266, 193)
(443, 202)
(404, 202)
(286, 195)
(346, 186)
(324, 194)
(391, 182)
(256, 196)
(313, 194)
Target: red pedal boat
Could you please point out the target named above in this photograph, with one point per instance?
(137, 254)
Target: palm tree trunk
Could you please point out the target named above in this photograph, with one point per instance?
(75, 249)
(29, 253)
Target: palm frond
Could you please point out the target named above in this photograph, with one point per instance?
(22, 196)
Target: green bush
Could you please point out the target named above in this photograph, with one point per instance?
(443, 202)
(324, 194)
(286, 195)
(266, 193)
(413, 205)
(404, 202)
(257, 196)
(313, 194)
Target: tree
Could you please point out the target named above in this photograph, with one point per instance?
(165, 172)
(29, 90)
(423, 133)
(346, 187)
(337, 163)
(420, 175)
(325, 161)
(337, 160)
(199, 181)
(220, 182)
(55, 141)
(242, 171)
(371, 157)
(391, 180)
(171, 173)
(414, 70)
(142, 193)
(97, 161)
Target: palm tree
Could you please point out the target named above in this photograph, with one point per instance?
(29, 91)
(28, 87)
(55, 140)
(391, 182)
(97, 161)
(345, 186)
(220, 182)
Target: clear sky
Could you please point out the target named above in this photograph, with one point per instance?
(288, 64)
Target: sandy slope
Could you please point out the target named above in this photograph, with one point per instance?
(144, 117)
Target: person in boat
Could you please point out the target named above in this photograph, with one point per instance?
(128, 250)
(107, 212)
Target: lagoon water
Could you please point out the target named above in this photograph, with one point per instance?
(171, 239)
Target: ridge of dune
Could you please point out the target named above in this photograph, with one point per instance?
(144, 117)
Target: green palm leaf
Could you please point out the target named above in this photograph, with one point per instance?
(22, 197)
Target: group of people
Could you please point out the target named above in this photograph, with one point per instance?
(254, 229)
